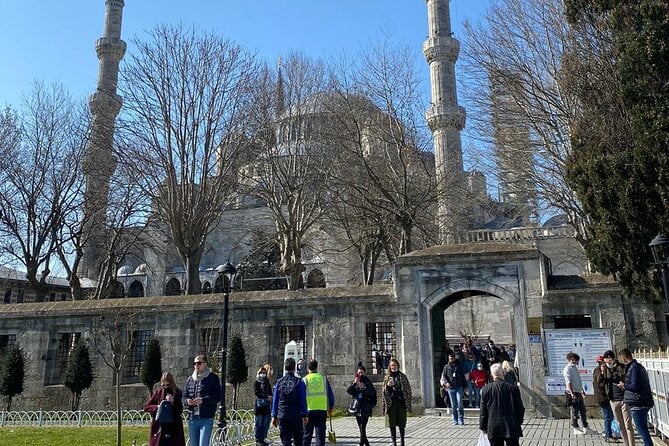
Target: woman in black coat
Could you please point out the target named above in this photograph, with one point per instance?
(364, 399)
(502, 410)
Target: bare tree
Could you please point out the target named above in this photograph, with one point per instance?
(41, 181)
(294, 160)
(185, 94)
(385, 184)
(512, 68)
(113, 339)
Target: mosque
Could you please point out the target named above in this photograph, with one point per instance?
(522, 277)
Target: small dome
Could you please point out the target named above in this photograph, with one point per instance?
(141, 269)
(123, 271)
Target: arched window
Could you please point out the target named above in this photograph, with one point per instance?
(206, 287)
(316, 279)
(173, 287)
(136, 289)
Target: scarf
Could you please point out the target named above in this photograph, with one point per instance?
(197, 377)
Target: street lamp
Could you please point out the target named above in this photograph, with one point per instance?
(227, 275)
(660, 248)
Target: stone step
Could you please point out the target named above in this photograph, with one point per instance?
(443, 412)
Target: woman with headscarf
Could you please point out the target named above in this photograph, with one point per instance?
(364, 399)
(263, 393)
(171, 434)
(396, 400)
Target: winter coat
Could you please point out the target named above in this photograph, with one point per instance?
(502, 411)
(210, 392)
(478, 377)
(262, 391)
(637, 386)
(173, 434)
(393, 395)
(602, 383)
(453, 375)
(365, 394)
(290, 398)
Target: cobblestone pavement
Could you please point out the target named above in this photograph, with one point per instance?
(438, 430)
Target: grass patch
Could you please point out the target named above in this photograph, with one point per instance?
(71, 436)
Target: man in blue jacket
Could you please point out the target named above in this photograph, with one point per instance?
(638, 395)
(289, 406)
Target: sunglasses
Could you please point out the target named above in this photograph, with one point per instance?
(198, 363)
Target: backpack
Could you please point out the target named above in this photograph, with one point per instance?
(164, 414)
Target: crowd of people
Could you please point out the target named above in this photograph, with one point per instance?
(299, 404)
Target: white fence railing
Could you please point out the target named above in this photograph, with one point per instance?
(657, 365)
(239, 429)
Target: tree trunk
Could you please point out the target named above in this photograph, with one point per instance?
(235, 387)
(118, 407)
(192, 266)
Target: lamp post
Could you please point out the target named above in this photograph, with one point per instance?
(227, 275)
(660, 247)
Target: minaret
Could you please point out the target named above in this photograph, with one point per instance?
(99, 162)
(445, 118)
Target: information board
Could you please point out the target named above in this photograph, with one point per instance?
(555, 385)
(588, 343)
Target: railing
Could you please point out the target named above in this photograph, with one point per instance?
(516, 235)
(657, 364)
(239, 429)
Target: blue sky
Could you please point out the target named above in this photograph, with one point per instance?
(54, 41)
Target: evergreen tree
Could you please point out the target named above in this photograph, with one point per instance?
(151, 365)
(79, 372)
(620, 168)
(11, 375)
(238, 371)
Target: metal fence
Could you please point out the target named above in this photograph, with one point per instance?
(657, 365)
(239, 429)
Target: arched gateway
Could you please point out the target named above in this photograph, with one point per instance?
(437, 277)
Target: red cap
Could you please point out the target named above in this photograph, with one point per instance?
(600, 358)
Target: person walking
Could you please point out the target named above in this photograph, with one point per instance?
(396, 400)
(320, 402)
(364, 399)
(509, 373)
(575, 394)
(479, 379)
(601, 378)
(201, 395)
(263, 392)
(637, 395)
(289, 406)
(169, 434)
(453, 379)
(502, 411)
(621, 411)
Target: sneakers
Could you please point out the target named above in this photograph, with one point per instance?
(589, 431)
(267, 441)
(578, 431)
(461, 422)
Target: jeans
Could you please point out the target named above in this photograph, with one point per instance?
(472, 395)
(477, 396)
(262, 426)
(457, 407)
(640, 417)
(199, 431)
(315, 422)
(607, 414)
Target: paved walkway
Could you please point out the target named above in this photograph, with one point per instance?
(429, 430)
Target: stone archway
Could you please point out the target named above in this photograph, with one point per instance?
(136, 289)
(173, 287)
(431, 323)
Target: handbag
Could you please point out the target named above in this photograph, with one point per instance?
(262, 403)
(353, 407)
(483, 440)
(164, 414)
